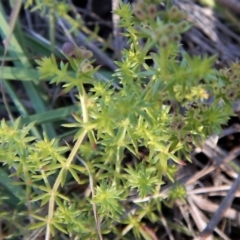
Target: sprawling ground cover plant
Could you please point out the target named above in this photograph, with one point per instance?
(163, 105)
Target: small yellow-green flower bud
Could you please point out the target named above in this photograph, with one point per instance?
(233, 78)
(82, 48)
(223, 89)
(139, 13)
(159, 33)
(174, 13)
(152, 11)
(140, 4)
(177, 122)
(228, 73)
(175, 38)
(180, 125)
(169, 28)
(235, 86)
(204, 107)
(231, 94)
(222, 72)
(182, 14)
(87, 54)
(87, 68)
(84, 66)
(173, 10)
(80, 51)
(197, 116)
(216, 89)
(164, 41)
(182, 26)
(84, 62)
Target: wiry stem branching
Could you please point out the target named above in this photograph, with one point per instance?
(70, 158)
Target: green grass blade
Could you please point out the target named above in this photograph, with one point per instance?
(25, 74)
(19, 105)
(14, 192)
(50, 116)
(18, 51)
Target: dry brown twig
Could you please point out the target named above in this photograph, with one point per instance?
(209, 35)
(227, 201)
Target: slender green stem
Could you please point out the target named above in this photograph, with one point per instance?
(153, 88)
(28, 191)
(118, 166)
(93, 195)
(58, 182)
(164, 63)
(118, 163)
(52, 21)
(70, 158)
(83, 99)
